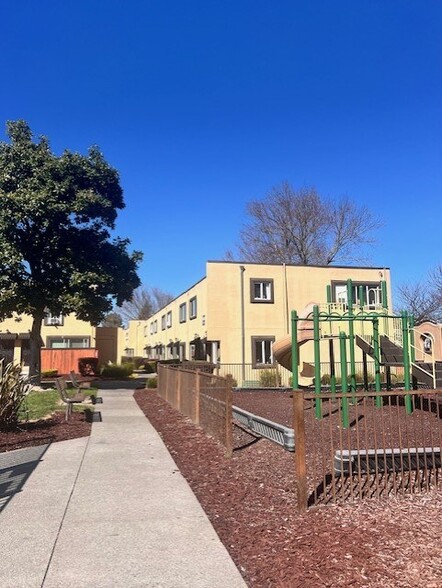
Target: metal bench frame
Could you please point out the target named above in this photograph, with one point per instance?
(60, 383)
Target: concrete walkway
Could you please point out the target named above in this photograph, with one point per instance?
(109, 510)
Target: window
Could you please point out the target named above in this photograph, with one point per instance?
(169, 319)
(262, 353)
(261, 290)
(55, 320)
(145, 331)
(371, 292)
(155, 326)
(68, 342)
(163, 322)
(192, 308)
(182, 313)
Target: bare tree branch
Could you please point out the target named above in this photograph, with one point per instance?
(422, 300)
(144, 303)
(299, 226)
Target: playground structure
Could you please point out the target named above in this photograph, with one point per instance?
(353, 323)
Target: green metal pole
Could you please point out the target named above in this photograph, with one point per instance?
(295, 351)
(332, 366)
(412, 349)
(377, 360)
(329, 294)
(408, 404)
(316, 339)
(351, 337)
(384, 294)
(344, 401)
(361, 297)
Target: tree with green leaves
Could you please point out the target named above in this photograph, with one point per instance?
(56, 250)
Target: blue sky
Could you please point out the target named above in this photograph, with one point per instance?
(203, 106)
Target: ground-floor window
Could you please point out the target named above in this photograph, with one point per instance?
(68, 342)
(262, 353)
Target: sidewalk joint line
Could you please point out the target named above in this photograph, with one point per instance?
(65, 512)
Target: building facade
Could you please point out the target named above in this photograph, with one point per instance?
(238, 310)
(63, 332)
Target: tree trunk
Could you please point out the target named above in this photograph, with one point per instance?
(35, 347)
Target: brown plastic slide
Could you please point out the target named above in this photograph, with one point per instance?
(282, 349)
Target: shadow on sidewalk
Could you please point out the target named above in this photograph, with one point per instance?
(15, 469)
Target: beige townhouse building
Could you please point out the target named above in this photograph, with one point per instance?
(71, 337)
(237, 311)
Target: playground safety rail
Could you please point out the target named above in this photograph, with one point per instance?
(273, 431)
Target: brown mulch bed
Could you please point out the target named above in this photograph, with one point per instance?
(47, 430)
(250, 500)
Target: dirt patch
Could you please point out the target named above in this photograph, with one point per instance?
(250, 500)
(54, 428)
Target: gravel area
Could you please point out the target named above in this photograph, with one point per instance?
(250, 500)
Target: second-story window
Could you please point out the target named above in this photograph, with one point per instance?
(54, 319)
(182, 313)
(261, 290)
(169, 319)
(163, 322)
(192, 308)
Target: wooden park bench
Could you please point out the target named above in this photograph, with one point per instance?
(76, 383)
(68, 400)
(83, 385)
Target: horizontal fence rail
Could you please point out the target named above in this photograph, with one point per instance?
(205, 398)
(274, 431)
(366, 445)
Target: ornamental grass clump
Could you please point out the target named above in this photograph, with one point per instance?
(13, 389)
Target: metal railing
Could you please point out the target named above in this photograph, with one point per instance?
(366, 445)
(423, 356)
(275, 432)
(246, 375)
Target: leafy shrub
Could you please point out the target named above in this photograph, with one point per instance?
(136, 361)
(88, 366)
(152, 383)
(269, 379)
(232, 379)
(115, 370)
(49, 373)
(150, 367)
(13, 389)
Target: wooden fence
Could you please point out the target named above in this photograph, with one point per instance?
(206, 399)
(361, 445)
(64, 360)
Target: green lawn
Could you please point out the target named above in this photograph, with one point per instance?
(39, 404)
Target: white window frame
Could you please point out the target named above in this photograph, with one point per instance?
(53, 320)
(182, 312)
(169, 319)
(262, 350)
(67, 340)
(265, 290)
(193, 308)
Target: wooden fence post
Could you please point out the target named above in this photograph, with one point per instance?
(178, 390)
(197, 397)
(229, 415)
(300, 462)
